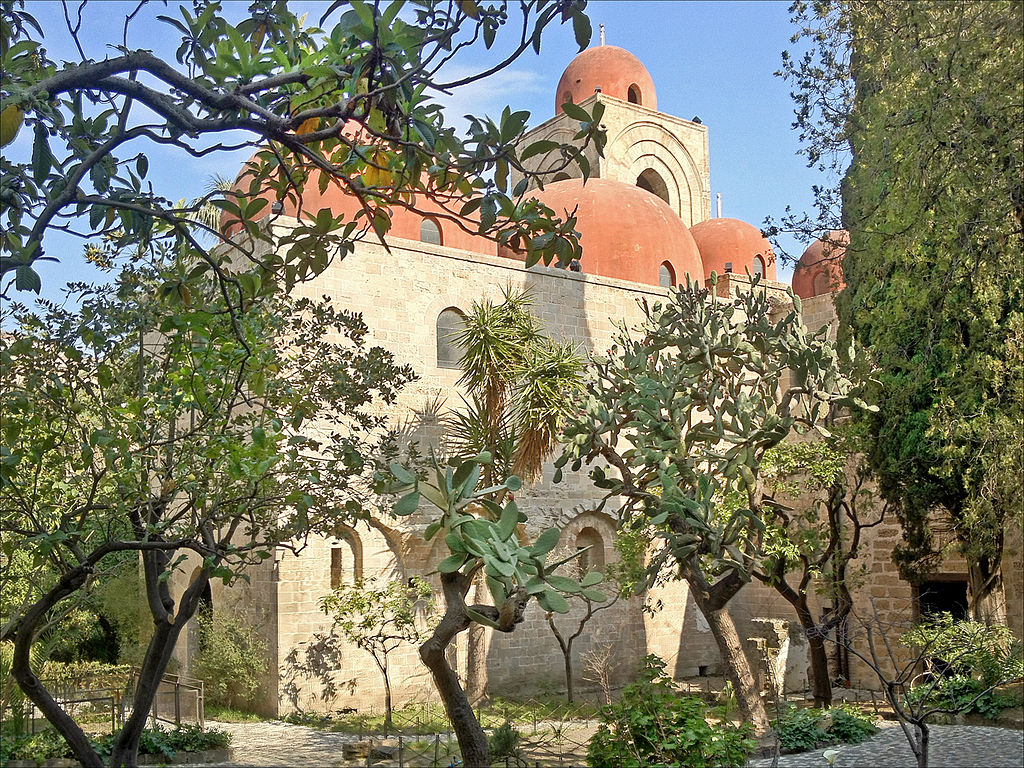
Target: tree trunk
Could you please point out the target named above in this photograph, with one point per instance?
(738, 671)
(569, 690)
(985, 591)
(471, 737)
(923, 737)
(388, 710)
(476, 657)
(821, 680)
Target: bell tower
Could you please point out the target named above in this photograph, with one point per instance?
(660, 153)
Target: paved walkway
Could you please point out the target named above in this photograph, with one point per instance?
(263, 745)
(952, 746)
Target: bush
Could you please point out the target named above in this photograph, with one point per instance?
(504, 742)
(849, 725)
(962, 694)
(800, 730)
(654, 723)
(231, 662)
(154, 741)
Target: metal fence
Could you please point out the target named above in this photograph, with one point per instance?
(99, 699)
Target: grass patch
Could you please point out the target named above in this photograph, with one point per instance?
(227, 715)
(427, 719)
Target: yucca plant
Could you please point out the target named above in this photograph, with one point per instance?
(520, 384)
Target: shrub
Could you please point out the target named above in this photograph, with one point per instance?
(800, 730)
(231, 661)
(154, 741)
(504, 742)
(654, 723)
(849, 725)
(962, 694)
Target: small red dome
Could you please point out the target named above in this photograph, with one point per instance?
(616, 71)
(626, 232)
(820, 269)
(731, 241)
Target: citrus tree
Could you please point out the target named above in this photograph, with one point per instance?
(352, 102)
(206, 440)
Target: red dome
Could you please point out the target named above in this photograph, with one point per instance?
(731, 241)
(626, 232)
(820, 269)
(337, 197)
(616, 71)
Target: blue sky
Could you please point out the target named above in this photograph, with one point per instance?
(714, 60)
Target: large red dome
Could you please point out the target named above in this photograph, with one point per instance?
(736, 243)
(626, 232)
(820, 269)
(616, 71)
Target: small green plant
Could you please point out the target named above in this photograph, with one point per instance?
(800, 730)
(504, 743)
(849, 725)
(654, 723)
(231, 661)
(48, 744)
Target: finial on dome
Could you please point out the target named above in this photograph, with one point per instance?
(602, 34)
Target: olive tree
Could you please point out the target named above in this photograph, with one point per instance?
(676, 422)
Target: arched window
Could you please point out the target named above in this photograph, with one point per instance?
(430, 232)
(449, 324)
(651, 181)
(633, 94)
(822, 284)
(567, 97)
(666, 275)
(591, 559)
(757, 268)
(346, 559)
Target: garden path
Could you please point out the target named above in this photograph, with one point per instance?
(267, 744)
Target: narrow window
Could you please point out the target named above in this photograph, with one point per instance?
(430, 232)
(822, 284)
(346, 560)
(666, 276)
(590, 545)
(757, 268)
(633, 95)
(449, 324)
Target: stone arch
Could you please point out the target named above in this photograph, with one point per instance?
(647, 145)
(591, 546)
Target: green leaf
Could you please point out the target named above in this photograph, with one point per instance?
(594, 596)
(581, 29)
(452, 563)
(552, 601)
(401, 474)
(547, 541)
(592, 578)
(513, 483)
(26, 279)
(564, 584)
(479, 618)
(508, 521)
(431, 531)
(576, 112)
(407, 504)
